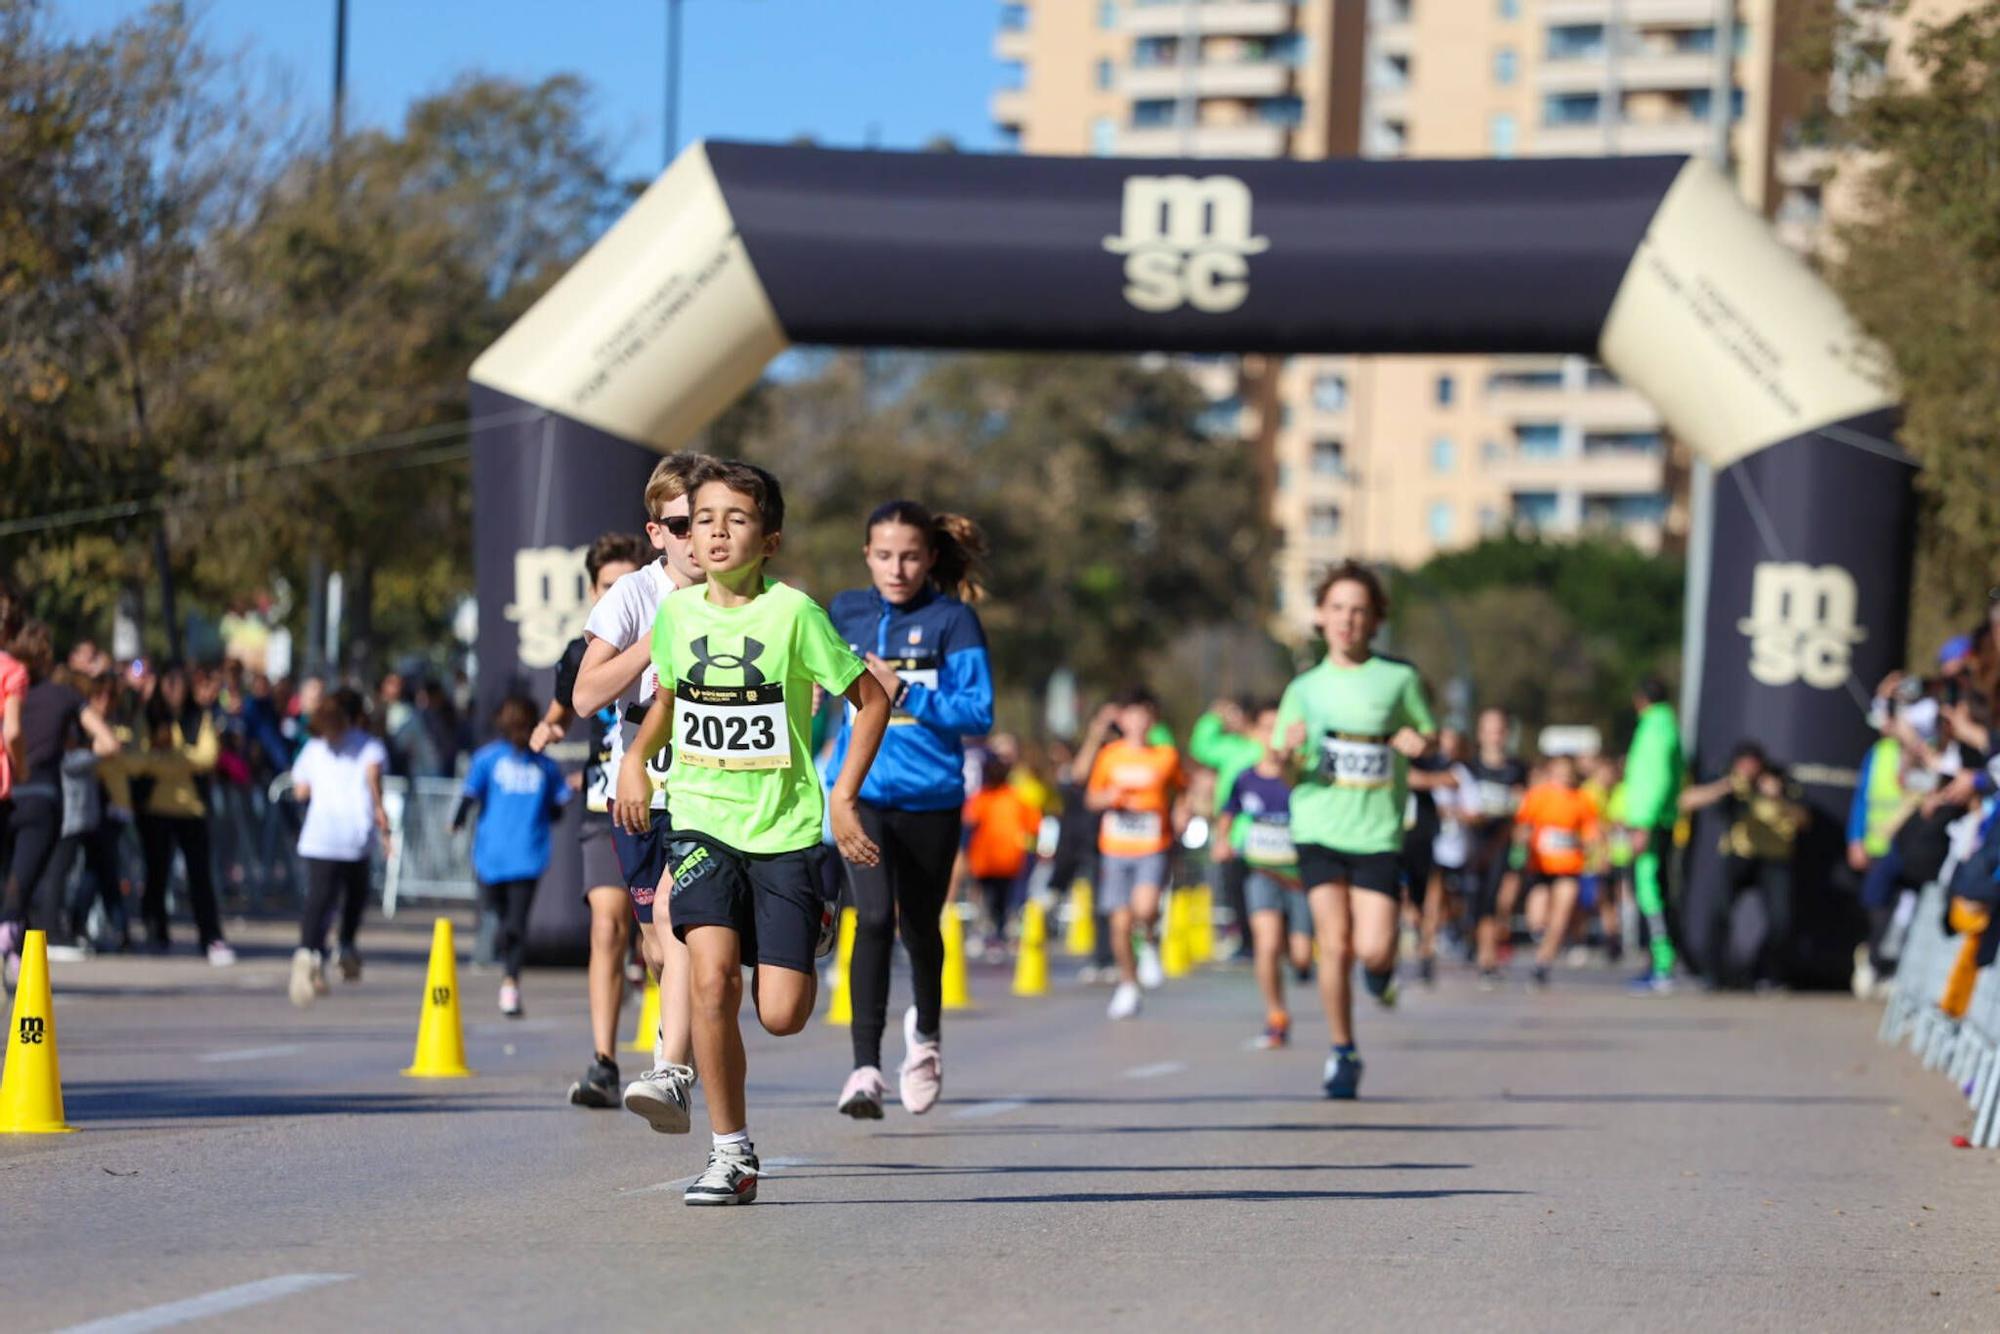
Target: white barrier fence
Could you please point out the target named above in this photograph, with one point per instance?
(425, 858)
(1966, 1050)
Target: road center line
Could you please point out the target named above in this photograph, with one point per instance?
(1157, 1070)
(980, 1109)
(208, 1305)
(248, 1053)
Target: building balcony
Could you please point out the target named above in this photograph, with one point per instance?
(1248, 78)
(1013, 44)
(1234, 18)
(1639, 70)
(1612, 472)
(1008, 107)
(1248, 140)
(1587, 139)
(1631, 13)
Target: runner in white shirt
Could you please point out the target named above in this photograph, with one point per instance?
(617, 669)
(339, 778)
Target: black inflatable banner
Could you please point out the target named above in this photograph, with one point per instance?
(1650, 264)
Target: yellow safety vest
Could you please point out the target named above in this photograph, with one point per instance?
(1885, 796)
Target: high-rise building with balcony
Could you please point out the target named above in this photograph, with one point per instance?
(1396, 458)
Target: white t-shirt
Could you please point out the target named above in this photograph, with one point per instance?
(1455, 805)
(340, 818)
(623, 617)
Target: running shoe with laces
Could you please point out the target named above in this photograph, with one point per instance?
(350, 964)
(1538, 980)
(861, 1096)
(598, 1087)
(661, 1096)
(1342, 1078)
(1277, 1032)
(1151, 975)
(220, 955)
(305, 969)
(1124, 1002)
(922, 1077)
(730, 1178)
(1650, 983)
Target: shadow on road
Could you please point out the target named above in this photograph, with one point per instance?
(1275, 1127)
(835, 1171)
(1720, 1099)
(137, 1104)
(1168, 1197)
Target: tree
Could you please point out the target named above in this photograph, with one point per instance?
(1919, 265)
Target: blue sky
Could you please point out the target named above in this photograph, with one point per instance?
(848, 72)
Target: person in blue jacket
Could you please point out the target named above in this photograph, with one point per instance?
(923, 642)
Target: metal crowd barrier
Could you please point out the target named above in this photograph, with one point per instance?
(425, 859)
(1966, 1050)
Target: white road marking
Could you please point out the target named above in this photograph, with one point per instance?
(248, 1053)
(767, 1168)
(1157, 1070)
(208, 1305)
(980, 1109)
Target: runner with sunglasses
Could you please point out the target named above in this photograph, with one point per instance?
(924, 645)
(616, 672)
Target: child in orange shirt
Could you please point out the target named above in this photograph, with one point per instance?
(1135, 785)
(1555, 834)
(1001, 827)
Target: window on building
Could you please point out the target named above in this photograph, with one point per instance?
(1538, 440)
(1576, 41)
(1623, 442)
(1105, 74)
(1281, 110)
(1446, 390)
(1440, 521)
(1539, 378)
(1624, 511)
(1510, 10)
(1500, 134)
(1560, 109)
(1329, 458)
(1329, 392)
(1153, 111)
(1104, 137)
(1284, 479)
(1284, 49)
(1222, 417)
(1013, 18)
(1701, 104)
(1599, 377)
(1151, 51)
(1107, 14)
(1505, 66)
(1323, 521)
(1535, 508)
(1444, 454)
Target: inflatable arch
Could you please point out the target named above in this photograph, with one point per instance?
(1651, 265)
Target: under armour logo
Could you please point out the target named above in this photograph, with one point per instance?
(728, 662)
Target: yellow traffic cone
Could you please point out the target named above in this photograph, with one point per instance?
(440, 1035)
(31, 1086)
(957, 989)
(841, 1011)
(1174, 961)
(1031, 966)
(1201, 925)
(647, 1035)
(1080, 941)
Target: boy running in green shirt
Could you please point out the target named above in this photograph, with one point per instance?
(737, 660)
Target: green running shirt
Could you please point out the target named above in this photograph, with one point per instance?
(741, 680)
(1352, 787)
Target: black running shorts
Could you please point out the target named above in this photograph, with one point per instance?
(771, 900)
(1379, 872)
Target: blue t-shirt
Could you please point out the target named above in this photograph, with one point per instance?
(519, 793)
(1263, 806)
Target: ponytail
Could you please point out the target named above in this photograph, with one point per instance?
(958, 544)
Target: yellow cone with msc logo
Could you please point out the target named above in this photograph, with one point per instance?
(647, 1035)
(440, 1035)
(31, 1086)
(840, 1006)
(957, 987)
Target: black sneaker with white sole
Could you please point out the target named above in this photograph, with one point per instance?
(730, 1178)
(598, 1087)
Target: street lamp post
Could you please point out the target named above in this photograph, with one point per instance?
(672, 127)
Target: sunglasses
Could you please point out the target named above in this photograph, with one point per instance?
(680, 525)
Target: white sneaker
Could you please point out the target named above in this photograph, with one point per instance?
(305, 973)
(661, 1096)
(220, 955)
(1124, 1002)
(67, 953)
(1863, 981)
(1151, 975)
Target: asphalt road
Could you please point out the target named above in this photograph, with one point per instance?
(1573, 1160)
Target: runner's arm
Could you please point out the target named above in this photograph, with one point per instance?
(608, 672)
(962, 701)
(103, 741)
(632, 806)
(871, 720)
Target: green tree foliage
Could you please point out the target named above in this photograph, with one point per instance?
(1920, 268)
(1555, 632)
(1117, 524)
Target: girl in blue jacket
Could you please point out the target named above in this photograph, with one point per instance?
(923, 642)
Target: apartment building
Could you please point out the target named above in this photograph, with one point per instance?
(1396, 458)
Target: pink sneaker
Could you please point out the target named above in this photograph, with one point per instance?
(861, 1097)
(922, 1075)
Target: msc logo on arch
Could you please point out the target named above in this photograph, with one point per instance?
(1186, 242)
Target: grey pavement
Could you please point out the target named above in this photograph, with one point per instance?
(1572, 1160)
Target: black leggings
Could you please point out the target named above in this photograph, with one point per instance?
(99, 850)
(36, 824)
(327, 880)
(511, 899)
(907, 887)
(160, 835)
